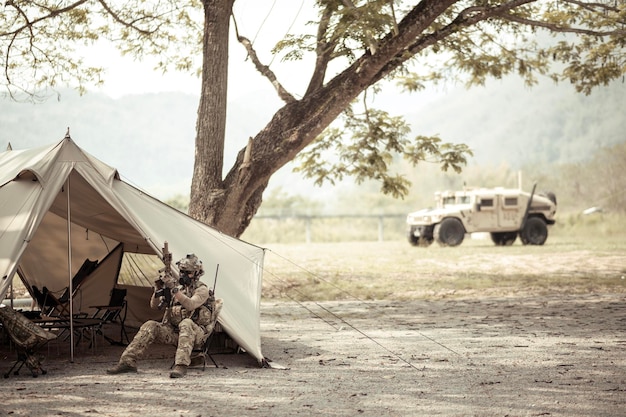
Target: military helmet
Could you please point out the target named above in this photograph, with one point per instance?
(190, 263)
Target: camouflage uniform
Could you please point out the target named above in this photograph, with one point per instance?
(182, 326)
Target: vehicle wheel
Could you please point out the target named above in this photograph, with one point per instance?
(535, 231)
(419, 241)
(425, 241)
(426, 238)
(503, 238)
(450, 232)
(522, 238)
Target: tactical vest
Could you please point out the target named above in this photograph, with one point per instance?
(201, 315)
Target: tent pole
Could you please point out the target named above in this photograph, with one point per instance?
(69, 269)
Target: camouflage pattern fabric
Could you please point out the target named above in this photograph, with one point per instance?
(27, 336)
(186, 325)
(187, 335)
(24, 332)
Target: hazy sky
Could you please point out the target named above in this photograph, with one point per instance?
(262, 21)
(267, 21)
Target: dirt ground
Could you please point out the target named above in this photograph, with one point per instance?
(558, 355)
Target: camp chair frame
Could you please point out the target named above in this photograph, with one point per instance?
(115, 311)
(203, 350)
(48, 303)
(28, 339)
(84, 271)
(51, 306)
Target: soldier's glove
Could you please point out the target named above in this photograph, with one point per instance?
(159, 284)
(170, 283)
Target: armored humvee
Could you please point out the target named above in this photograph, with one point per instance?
(505, 213)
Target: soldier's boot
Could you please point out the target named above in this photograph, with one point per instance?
(179, 371)
(121, 368)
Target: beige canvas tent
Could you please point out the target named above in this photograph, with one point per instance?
(60, 206)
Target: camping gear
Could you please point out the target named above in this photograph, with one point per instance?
(60, 205)
(28, 339)
(114, 312)
(49, 304)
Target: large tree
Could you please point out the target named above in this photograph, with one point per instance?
(356, 45)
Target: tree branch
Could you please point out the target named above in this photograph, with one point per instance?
(467, 17)
(265, 70)
(122, 22)
(370, 39)
(592, 6)
(396, 31)
(323, 50)
(28, 24)
(56, 12)
(557, 28)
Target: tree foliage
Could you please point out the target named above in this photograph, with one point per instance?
(356, 44)
(43, 43)
(367, 151)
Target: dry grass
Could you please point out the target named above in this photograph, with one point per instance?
(398, 271)
(394, 270)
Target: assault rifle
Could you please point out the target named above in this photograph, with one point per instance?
(166, 280)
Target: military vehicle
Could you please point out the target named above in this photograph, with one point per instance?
(504, 213)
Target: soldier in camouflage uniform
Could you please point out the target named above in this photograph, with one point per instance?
(187, 322)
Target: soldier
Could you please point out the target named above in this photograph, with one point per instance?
(187, 321)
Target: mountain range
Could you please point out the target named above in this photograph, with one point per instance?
(149, 138)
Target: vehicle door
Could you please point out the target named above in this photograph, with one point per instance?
(509, 215)
(484, 213)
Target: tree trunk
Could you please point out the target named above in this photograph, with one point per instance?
(229, 205)
(207, 190)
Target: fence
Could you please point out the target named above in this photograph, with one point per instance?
(326, 228)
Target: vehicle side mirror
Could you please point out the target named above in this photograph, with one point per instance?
(477, 207)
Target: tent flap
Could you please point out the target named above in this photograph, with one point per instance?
(107, 213)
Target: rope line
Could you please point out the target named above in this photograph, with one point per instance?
(293, 22)
(136, 270)
(341, 319)
(316, 276)
(267, 15)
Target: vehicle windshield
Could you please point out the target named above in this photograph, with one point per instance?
(448, 201)
(455, 200)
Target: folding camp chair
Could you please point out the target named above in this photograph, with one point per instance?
(41, 300)
(115, 311)
(28, 338)
(83, 272)
(49, 304)
(201, 353)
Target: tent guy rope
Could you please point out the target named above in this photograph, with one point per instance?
(343, 320)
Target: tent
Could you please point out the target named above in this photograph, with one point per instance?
(60, 205)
